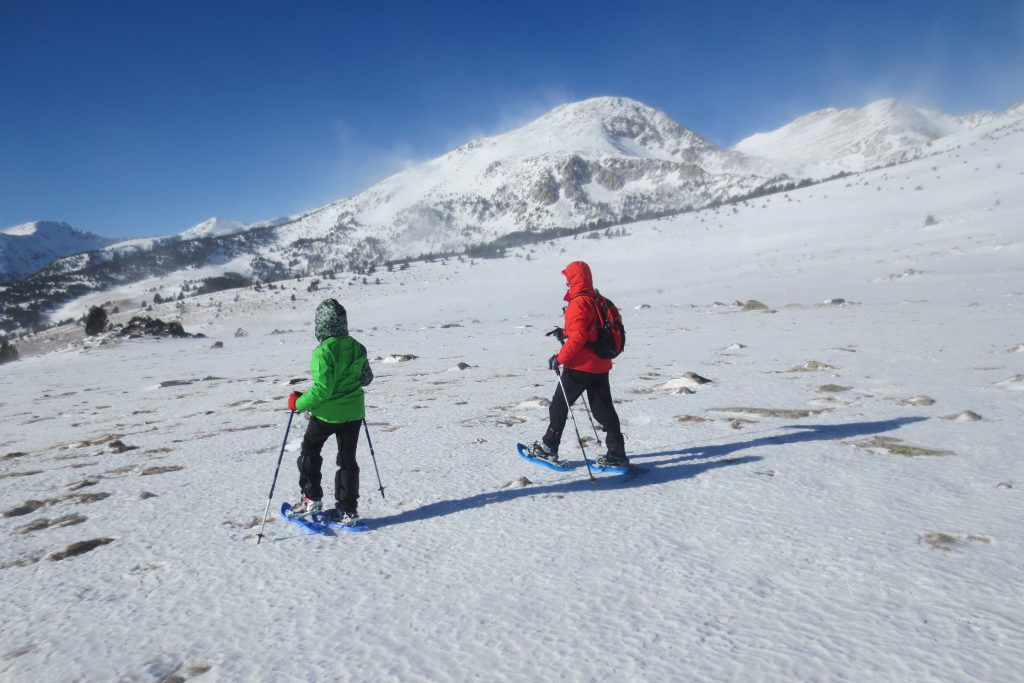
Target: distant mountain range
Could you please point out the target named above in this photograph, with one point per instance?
(27, 248)
(585, 165)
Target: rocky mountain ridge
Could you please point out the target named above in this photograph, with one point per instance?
(585, 165)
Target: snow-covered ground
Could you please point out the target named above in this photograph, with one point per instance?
(823, 510)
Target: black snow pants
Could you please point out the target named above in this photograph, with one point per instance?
(599, 393)
(346, 479)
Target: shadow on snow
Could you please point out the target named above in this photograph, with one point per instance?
(660, 472)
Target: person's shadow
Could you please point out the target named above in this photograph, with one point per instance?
(673, 466)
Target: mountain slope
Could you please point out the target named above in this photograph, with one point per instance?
(213, 226)
(882, 133)
(589, 164)
(26, 248)
(596, 162)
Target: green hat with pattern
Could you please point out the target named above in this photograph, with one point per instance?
(331, 320)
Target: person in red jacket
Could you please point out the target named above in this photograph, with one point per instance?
(584, 371)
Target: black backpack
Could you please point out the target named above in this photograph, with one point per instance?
(611, 333)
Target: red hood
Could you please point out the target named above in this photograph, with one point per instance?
(577, 274)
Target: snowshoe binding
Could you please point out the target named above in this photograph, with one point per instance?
(306, 507)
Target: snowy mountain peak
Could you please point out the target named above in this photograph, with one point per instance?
(883, 132)
(28, 247)
(617, 125)
(596, 162)
(42, 228)
(213, 226)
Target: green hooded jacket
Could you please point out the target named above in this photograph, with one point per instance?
(340, 369)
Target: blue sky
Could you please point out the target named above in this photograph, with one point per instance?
(147, 117)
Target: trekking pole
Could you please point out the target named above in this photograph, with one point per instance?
(259, 536)
(574, 426)
(592, 425)
(380, 486)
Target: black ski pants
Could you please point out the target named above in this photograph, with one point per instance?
(346, 479)
(599, 393)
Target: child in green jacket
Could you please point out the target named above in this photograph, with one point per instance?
(335, 403)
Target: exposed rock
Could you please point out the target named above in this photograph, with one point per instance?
(399, 358)
(149, 471)
(752, 305)
(787, 413)
(520, 482)
(1019, 348)
(545, 191)
(608, 179)
(685, 384)
(965, 416)
(833, 388)
(534, 403)
(185, 382)
(144, 326)
(948, 542)
(1015, 383)
(80, 548)
(29, 506)
(813, 366)
(895, 446)
(909, 272)
(240, 332)
(120, 447)
(217, 345)
(918, 401)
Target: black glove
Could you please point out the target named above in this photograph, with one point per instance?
(553, 363)
(558, 333)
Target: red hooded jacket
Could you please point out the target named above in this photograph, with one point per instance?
(581, 322)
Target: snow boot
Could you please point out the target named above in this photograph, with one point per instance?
(306, 507)
(616, 455)
(613, 460)
(342, 517)
(540, 450)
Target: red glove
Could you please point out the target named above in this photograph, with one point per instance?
(292, 399)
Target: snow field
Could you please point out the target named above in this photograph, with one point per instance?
(752, 546)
